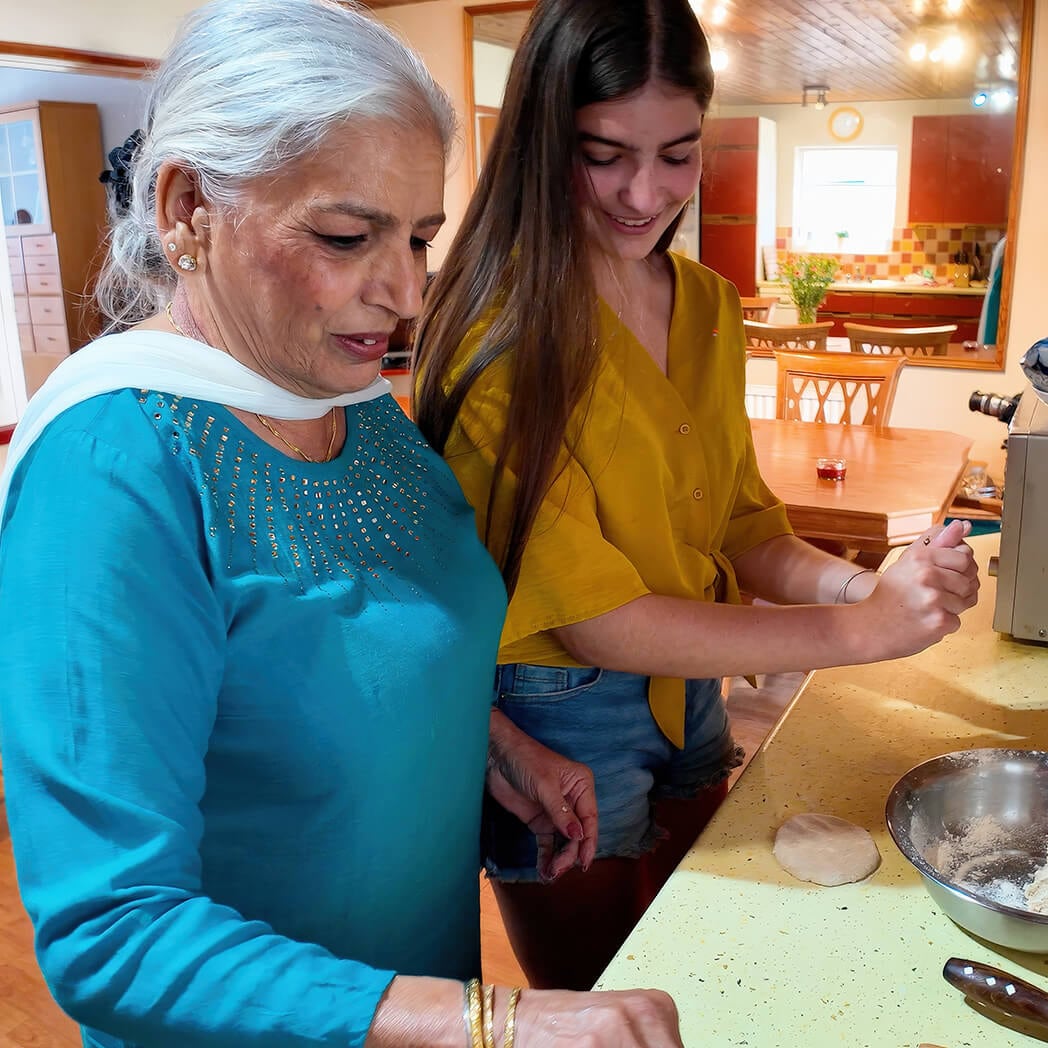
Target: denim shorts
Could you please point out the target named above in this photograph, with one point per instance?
(601, 718)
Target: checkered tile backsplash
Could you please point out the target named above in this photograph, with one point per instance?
(910, 253)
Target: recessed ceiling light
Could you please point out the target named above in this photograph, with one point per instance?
(1001, 97)
(918, 51)
(952, 48)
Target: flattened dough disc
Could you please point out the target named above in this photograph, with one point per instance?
(825, 849)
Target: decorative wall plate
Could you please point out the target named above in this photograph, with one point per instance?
(845, 123)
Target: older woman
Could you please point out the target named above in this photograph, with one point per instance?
(248, 674)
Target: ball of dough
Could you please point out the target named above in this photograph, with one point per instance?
(825, 849)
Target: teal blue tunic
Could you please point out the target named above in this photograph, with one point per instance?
(244, 718)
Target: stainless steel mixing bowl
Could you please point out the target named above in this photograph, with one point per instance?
(975, 825)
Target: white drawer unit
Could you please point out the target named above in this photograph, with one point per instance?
(50, 338)
(37, 264)
(39, 299)
(46, 309)
(46, 245)
(54, 214)
(26, 342)
(42, 284)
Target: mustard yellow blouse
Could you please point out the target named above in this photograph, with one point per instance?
(660, 490)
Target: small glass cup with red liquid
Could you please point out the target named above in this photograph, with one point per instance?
(831, 468)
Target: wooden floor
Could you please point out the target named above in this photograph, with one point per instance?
(29, 1018)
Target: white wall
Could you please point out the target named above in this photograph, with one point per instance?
(491, 64)
(121, 101)
(134, 28)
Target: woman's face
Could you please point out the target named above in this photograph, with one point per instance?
(305, 282)
(639, 163)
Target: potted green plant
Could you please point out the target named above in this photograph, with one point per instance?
(841, 235)
(808, 277)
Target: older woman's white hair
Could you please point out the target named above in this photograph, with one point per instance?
(246, 89)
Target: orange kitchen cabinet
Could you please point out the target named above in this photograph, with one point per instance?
(730, 250)
(961, 169)
(737, 197)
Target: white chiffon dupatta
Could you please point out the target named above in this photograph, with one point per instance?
(164, 363)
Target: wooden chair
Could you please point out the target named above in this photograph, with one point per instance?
(763, 340)
(836, 387)
(907, 342)
(758, 308)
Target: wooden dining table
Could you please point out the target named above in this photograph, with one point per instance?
(897, 482)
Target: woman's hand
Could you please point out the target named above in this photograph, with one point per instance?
(549, 793)
(919, 599)
(609, 1019)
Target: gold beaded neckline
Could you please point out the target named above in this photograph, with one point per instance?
(328, 455)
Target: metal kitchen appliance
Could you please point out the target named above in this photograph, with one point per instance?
(1022, 566)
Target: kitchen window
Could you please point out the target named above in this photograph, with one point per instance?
(845, 190)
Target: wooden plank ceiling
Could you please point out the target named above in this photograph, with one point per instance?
(858, 48)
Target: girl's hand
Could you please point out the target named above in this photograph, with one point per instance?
(919, 599)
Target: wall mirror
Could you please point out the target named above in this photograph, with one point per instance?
(926, 99)
(61, 111)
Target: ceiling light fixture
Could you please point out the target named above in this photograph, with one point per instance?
(719, 59)
(938, 43)
(818, 90)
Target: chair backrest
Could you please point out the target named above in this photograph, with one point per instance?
(836, 387)
(758, 308)
(404, 402)
(762, 340)
(906, 342)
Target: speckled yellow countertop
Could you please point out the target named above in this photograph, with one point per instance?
(756, 958)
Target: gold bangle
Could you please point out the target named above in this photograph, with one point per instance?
(488, 1014)
(511, 1018)
(847, 582)
(472, 1014)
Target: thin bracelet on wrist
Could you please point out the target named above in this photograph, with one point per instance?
(847, 582)
(488, 1015)
(472, 1014)
(510, 1032)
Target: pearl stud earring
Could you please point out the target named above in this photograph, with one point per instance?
(187, 263)
(172, 246)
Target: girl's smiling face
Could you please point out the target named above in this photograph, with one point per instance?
(640, 159)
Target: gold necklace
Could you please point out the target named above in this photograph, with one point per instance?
(294, 447)
(265, 422)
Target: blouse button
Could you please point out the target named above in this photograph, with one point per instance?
(697, 494)
(684, 428)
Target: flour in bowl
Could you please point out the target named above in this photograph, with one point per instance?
(993, 861)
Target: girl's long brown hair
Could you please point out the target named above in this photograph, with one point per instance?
(522, 254)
